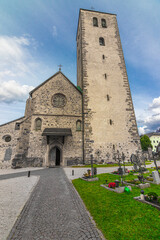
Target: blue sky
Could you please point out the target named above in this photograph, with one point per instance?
(36, 36)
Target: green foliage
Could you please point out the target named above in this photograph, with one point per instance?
(145, 142)
(79, 88)
(119, 216)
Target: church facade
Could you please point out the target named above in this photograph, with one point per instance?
(64, 124)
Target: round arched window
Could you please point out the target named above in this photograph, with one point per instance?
(59, 100)
(7, 138)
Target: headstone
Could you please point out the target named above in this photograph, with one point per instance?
(120, 171)
(156, 177)
(135, 167)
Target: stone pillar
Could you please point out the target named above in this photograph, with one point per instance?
(47, 153)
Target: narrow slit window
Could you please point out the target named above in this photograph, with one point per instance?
(105, 75)
(101, 41)
(95, 22)
(108, 97)
(103, 57)
(110, 122)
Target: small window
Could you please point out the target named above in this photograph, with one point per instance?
(7, 138)
(103, 57)
(101, 41)
(110, 122)
(78, 125)
(105, 76)
(103, 23)
(108, 98)
(113, 147)
(95, 22)
(38, 124)
(17, 126)
(153, 141)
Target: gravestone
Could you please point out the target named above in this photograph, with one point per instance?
(156, 177)
(8, 154)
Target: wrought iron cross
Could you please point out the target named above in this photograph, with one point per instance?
(60, 67)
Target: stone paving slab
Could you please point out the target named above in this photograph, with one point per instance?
(54, 211)
(13, 195)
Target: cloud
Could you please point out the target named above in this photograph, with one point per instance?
(54, 31)
(16, 57)
(150, 121)
(155, 105)
(12, 91)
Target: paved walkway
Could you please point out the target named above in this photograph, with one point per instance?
(13, 195)
(54, 211)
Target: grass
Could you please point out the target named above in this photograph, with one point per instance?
(107, 165)
(119, 216)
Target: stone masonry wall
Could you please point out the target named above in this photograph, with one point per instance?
(53, 117)
(105, 78)
(8, 149)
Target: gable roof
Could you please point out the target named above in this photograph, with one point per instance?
(12, 121)
(59, 72)
(153, 134)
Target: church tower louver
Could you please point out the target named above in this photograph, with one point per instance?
(109, 122)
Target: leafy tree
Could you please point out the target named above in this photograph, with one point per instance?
(145, 142)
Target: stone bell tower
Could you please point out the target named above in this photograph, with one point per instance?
(109, 122)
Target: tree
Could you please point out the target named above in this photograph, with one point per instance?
(145, 142)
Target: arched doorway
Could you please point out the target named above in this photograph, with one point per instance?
(55, 157)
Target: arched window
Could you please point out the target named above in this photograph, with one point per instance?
(101, 41)
(103, 23)
(78, 125)
(95, 22)
(38, 124)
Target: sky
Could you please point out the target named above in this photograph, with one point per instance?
(36, 36)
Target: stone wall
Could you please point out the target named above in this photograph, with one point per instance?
(109, 118)
(32, 149)
(8, 149)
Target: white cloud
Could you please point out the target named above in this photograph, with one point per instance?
(12, 91)
(155, 105)
(149, 119)
(54, 31)
(16, 57)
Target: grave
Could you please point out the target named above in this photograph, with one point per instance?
(117, 189)
(156, 177)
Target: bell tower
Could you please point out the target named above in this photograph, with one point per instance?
(109, 122)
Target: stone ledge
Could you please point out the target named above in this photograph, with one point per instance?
(149, 203)
(90, 179)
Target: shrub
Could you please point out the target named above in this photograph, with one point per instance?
(145, 142)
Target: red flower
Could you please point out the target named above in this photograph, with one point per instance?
(112, 185)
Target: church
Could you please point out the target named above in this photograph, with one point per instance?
(64, 124)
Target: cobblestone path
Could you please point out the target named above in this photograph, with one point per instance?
(54, 211)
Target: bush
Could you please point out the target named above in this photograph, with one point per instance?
(145, 142)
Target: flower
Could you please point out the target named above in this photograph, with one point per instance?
(112, 185)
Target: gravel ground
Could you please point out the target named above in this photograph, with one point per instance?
(13, 195)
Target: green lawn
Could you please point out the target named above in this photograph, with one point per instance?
(107, 165)
(119, 216)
